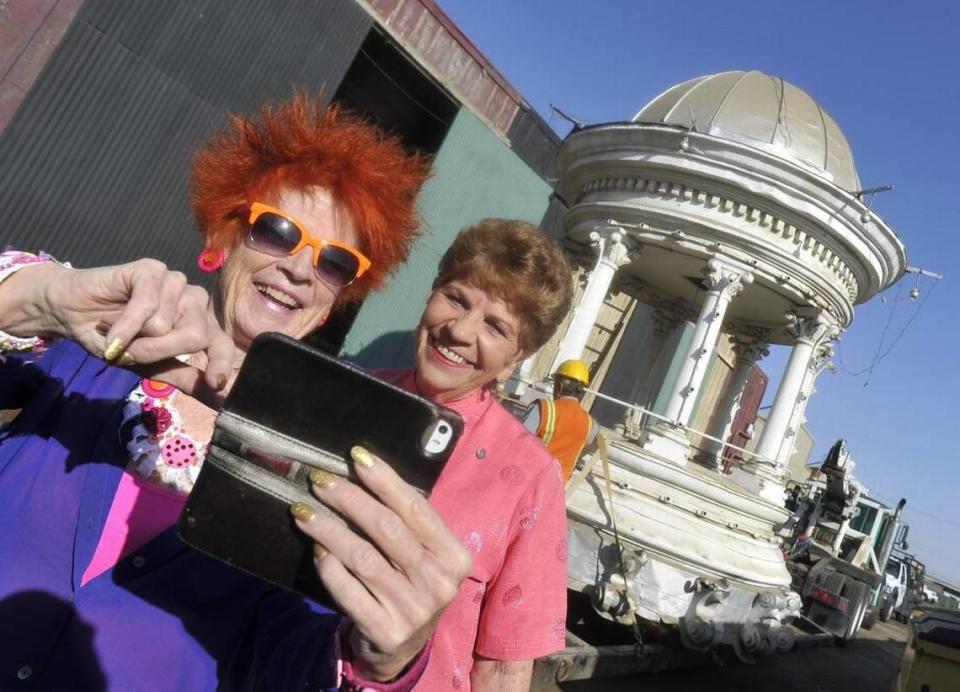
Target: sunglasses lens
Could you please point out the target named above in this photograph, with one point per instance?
(337, 266)
(274, 235)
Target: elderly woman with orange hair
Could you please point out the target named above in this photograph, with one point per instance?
(303, 209)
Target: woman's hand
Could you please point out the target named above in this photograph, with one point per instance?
(395, 582)
(136, 313)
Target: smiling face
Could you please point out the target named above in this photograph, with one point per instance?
(258, 292)
(465, 340)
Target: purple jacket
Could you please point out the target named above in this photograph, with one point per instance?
(166, 617)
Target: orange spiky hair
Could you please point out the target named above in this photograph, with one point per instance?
(301, 144)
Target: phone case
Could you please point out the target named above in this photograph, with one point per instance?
(291, 409)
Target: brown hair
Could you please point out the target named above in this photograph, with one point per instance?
(300, 144)
(514, 261)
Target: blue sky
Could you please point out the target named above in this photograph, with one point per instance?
(888, 74)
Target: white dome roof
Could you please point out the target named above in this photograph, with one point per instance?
(762, 111)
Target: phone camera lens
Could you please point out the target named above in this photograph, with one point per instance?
(444, 429)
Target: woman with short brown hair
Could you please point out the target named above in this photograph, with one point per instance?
(502, 289)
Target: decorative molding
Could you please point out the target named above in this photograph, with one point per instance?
(756, 333)
(724, 279)
(665, 321)
(749, 351)
(803, 242)
(613, 251)
(814, 328)
(821, 358)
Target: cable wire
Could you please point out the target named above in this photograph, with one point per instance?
(881, 351)
(911, 508)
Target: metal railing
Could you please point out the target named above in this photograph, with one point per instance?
(545, 387)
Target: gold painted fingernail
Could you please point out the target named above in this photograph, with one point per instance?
(221, 381)
(319, 551)
(113, 350)
(322, 478)
(302, 511)
(362, 457)
(125, 360)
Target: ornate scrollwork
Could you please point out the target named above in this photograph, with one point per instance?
(804, 242)
(726, 279)
(814, 328)
(614, 251)
(749, 351)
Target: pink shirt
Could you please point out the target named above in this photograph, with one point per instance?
(140, 512)
(502, 494)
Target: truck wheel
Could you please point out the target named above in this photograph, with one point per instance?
(870, 619)
(857, 595)
(886, 609)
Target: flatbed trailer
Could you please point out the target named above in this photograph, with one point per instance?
(581, 660)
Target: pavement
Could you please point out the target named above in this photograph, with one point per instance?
(866, 664)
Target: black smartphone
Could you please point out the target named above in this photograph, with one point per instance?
(294, 408)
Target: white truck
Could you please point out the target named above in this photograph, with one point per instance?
(894, 588)
(840, 546)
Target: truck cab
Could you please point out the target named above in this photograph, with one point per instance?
(894, 588)
(840, 545)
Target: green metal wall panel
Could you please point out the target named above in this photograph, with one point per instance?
(475, 176)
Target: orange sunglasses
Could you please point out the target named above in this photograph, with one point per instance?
(275, 233)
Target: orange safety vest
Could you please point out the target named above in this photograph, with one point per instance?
(564, 428)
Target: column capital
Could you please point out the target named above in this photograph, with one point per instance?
(749, 350)
(611, 248)
(813, 328)
(820, 360)
(726, 279)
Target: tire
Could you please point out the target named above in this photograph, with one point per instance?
(858, 596)
(870, 619)
(886, 607)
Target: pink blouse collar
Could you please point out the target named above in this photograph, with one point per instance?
(470, 406)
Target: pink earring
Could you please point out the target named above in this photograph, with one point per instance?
(211, 259)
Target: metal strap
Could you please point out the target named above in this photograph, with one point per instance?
(602, 449)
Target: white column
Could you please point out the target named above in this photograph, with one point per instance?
(613, 254)
(818, 364)
(811, 331)
(664, 324)
(748, 351)
(517, 383)
(669, 440)
(723, 283)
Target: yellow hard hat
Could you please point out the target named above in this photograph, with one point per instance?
(575, 370)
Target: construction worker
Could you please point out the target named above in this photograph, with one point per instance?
(565, 428)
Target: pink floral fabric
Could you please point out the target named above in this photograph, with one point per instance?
(501, 492)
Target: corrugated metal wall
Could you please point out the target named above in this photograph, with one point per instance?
(536, 143)
(30, 31)
(93, 166)
(475, 175)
